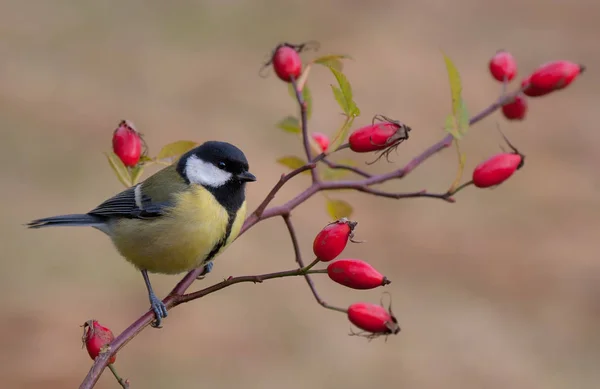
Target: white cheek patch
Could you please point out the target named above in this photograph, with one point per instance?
(205, 173)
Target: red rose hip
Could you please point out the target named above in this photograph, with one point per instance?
(531, 91)
(332, 239)
(555, 75)
(127, 143)
(373, 318)
(95, 337)
(516, 109)
(378, 136)
(287, 63)
(355, 274)
(503, 65)
(322, 140)
(551, 76)
(497, 169)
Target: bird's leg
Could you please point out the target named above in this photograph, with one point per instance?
(207, 269)
(159, 308)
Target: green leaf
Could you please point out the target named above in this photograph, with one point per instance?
(145, 159)
(292, 162)
(338, 209)
(175, 149)
(343, 94)
(463, 117)
(306, 95)
(459, 109)
(332, 61)
(119, 168)
(136, 172)
(341, 134)
(290, 124)
(339, 97)
(451, 127)
(455, 84)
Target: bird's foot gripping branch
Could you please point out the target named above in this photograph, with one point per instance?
(329, 173)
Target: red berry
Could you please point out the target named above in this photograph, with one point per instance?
(322, 140)
(502, 65)
(555, 75)
(516, 109)
(532, 91)
(355, 274)
(127, 143)
(96, 337)
(287, 63)
(373, 318)
(332, 240)
(497, 169)
(377, 136)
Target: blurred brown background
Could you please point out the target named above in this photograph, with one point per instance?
(500, 290)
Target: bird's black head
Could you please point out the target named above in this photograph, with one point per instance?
(215, 164)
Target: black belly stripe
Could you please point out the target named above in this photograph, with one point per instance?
(222, 242)
(231, 196)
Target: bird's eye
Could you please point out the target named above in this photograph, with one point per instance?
(222, 165)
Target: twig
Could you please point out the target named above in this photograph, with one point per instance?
(460, 187)
(352, 169)
(257, 279)
(323, 155)
(304, 125)
(124, 383)
(284, 178)
(421, 193)
(298, 255)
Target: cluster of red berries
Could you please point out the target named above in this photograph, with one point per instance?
(356, 274)
(548, 77)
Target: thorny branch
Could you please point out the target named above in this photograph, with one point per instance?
(263, 212)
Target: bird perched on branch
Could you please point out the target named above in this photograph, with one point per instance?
(178, 219)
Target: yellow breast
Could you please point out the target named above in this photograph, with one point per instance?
(181, 239)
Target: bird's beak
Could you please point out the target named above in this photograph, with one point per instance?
(246, 177)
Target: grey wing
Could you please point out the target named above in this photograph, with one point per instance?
(131, 204)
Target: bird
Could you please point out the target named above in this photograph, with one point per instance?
(178, 219)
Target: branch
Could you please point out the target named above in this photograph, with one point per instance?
(298, 255)
(257, 279)
(422, 193)
(352, 169)
(177, 295)
(172, 301)
(284, 178)
(304, 122)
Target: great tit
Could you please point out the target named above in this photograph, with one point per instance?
(176, 220)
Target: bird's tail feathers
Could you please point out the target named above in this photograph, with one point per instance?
(67, 220)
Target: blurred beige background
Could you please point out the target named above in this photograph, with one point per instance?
(500, 290)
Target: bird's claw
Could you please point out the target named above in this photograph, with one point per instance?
(207, 269)
(160, 311)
